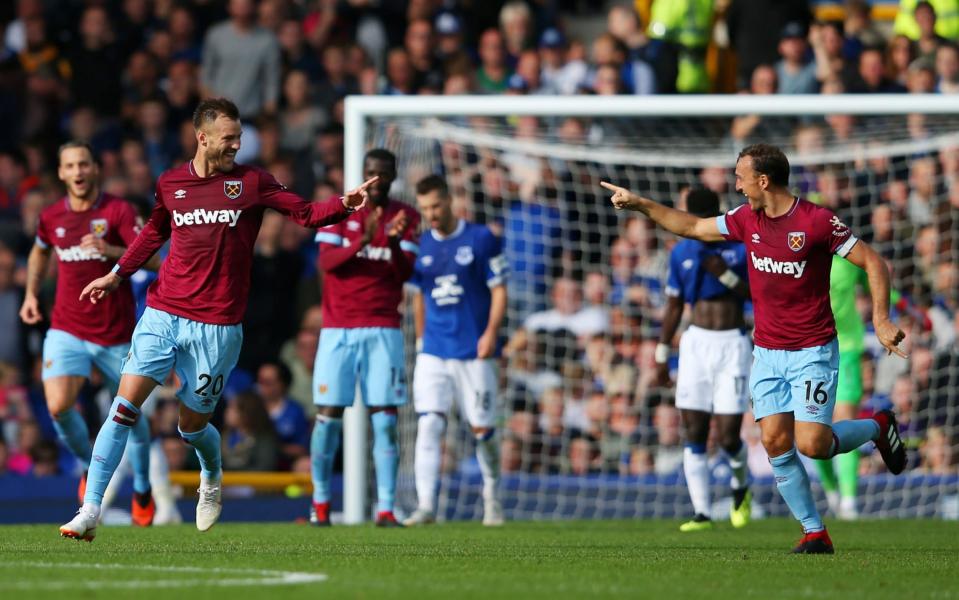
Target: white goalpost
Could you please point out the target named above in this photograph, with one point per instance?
(548, 153)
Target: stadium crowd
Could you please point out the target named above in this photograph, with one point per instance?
(584, 301)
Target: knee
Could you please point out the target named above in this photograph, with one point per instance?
(334, 412)
(815, 446)
(777, 442)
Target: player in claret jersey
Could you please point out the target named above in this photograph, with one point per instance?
(86, 229)
(210, 208)
(365, 261)
(789, 246)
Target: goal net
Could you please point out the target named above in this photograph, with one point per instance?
(585, 432)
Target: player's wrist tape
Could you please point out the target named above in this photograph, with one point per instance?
(662, 353)
(729, 279)
(116, 270)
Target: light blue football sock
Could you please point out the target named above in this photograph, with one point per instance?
(108, 448)
(139, 449)
(386, 458)
(849, 435)
(324, 442)
(206, 442)
(75, 435)
(793, 484)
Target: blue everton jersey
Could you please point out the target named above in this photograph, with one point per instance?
(687, 277)
(455, 275)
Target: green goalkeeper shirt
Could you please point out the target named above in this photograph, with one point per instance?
(843, 280)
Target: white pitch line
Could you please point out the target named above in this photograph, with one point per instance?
(262, 577)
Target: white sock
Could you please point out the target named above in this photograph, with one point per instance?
(696, 468)
(739, 464)
(426, 464)
(487, 454)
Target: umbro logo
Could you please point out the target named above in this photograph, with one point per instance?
(60, 231)
(179, 194)
(688, 264)
(755, 238)
(353, 225)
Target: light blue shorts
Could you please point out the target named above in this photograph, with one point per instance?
(203, 355)
(65, 354)
(802, 382)
(372, 355)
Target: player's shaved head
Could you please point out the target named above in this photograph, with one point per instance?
(209, 110)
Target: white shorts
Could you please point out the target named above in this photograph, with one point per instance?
(714, 371)
(472, 383)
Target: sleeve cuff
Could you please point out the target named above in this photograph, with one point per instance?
(40, 243)
(846, 247)
(408, 246)
(117, 269)
(721, 225)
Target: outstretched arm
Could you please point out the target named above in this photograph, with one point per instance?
(863, 256)
(675, 221)
(311, 214)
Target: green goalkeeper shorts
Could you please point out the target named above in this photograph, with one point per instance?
(849, 390)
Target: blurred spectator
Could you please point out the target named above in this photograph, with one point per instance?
(944, 14)
(296, 54)
(273, 381)
(242, 62)
(4, 456)
(300, 120)
(947, 69)
(11, 296)
(938, 453)
(871, 77)
(28, 437)
(612, 74)
(45, 457)
(95, 61)
(249, 440)
(15, 182)
(337, 83)
(795, 73)
(568, 312)
(516, 25)
(662, 55)
(755, 27)
(561, 73)
(688, 24)
(493, 72)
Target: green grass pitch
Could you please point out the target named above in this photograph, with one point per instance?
(578, 559)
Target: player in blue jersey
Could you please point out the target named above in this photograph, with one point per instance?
(714, 358)
(460, 275)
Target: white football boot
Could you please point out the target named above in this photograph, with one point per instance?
(82, 527)
(208, 506)
(493, 513)
(420, 516)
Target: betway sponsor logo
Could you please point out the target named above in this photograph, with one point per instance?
(767, 265)
(201, 216)
(376, 253)
(78, 254)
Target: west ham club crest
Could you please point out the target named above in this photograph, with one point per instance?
(98, 227)
(232, 188)
(797, 239)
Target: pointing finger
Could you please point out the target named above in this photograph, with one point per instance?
(369, 182)
(611, 187)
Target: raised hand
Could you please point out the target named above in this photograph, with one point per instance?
(372, 224)
(622, 198)
(98, 289)
(890, 336)
(30, 310)
(92, 242)
(357, 197)
(397, 225)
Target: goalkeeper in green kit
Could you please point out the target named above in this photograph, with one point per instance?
(839, 475)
